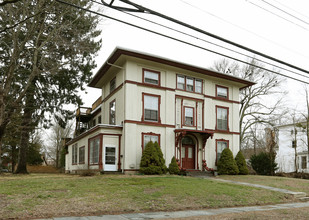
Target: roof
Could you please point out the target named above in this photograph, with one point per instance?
(122, 51)
(291, 124)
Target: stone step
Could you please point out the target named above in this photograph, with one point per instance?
(299, 195)
(304, 199)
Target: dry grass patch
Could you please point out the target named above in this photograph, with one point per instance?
(293, 184)
(42, 196)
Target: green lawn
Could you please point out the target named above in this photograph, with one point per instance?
(293, 184)
(35, 195)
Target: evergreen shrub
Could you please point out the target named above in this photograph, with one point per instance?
(152, 161)
(241, 164)
(264, 163)
(173, 167)
(226, 164)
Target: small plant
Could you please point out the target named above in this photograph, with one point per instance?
(173, 167)
(241, 164)
(227, 164)
(263, 163)
(152, 161)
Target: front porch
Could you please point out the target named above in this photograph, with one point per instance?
(190, 149)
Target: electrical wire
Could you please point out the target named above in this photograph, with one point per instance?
(173, 38)
(190, 35)
(244, 29)
(272, 5)
(149, 11)
(278, 15)
(291, 9)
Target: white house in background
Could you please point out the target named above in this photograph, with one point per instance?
(190, 111)
(290, 136)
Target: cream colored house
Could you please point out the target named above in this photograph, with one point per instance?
(190, 111)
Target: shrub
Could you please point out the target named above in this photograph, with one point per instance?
(241, 164)
(152, 161)
(173, 167)
(227, 164)
(264, 163)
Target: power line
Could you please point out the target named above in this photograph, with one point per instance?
(278, 15)
(181, 41)
(147, 10)
(291, 9)
(242, 28)
(284, 12)
(156, 23)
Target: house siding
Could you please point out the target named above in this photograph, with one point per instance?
(129, 93)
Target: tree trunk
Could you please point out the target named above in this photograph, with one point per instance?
(295, 148)
(13, 158)
(27, 127)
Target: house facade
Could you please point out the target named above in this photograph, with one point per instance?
(190, 111)
(292, 152)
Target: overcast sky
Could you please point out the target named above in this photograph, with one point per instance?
(253, 23)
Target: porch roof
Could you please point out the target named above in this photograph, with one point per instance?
(203, 133)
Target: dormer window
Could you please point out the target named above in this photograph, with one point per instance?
(222, 92)
(151, 77)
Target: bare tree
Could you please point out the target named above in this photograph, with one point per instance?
(254, 106)
(58, 133)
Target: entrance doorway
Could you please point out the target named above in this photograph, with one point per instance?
(188, 153)
(110, 159)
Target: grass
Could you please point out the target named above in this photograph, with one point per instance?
(297, 185)
(38, 195)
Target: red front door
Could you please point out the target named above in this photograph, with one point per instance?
(188, 156)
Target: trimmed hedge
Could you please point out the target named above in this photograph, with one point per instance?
(241, 164)
(227, 164)
(173, 167)
(152, 161)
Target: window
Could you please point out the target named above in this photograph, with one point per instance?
(304, 162)
(221, 145)
(181, 82)
(112, 85)
(151, 108)
(94, 150)
(198, 86)
(189, 84)
(112, 112)
(93, 122)
(222, 118)
(189, 118)
(81, 155)
(151, 77)
(99, 120)
(147, 137)
(294, 143)
(222, 92)
(74, 154)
